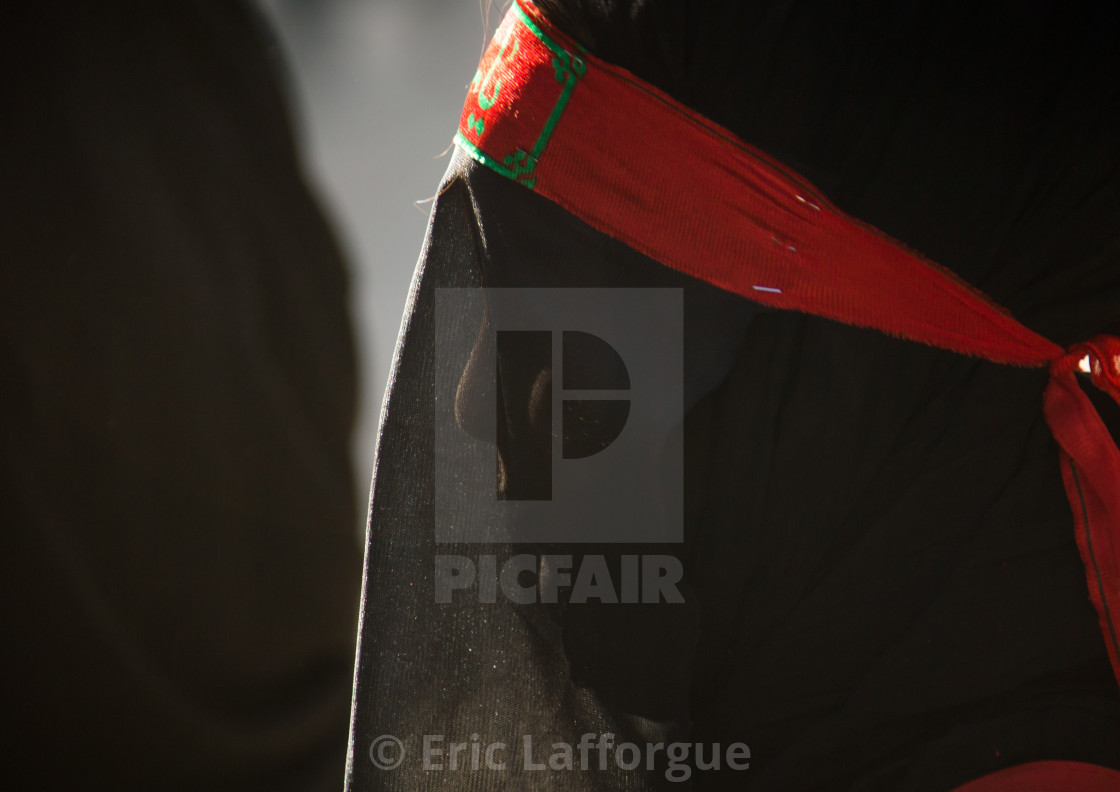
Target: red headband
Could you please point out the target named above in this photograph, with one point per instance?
(635, 164)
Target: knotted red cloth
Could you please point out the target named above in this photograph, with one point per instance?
(635, 164)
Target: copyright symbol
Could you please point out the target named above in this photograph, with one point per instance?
(386, 752)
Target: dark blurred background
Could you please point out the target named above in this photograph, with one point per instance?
(195, 207)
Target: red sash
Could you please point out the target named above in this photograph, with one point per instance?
(635, 164)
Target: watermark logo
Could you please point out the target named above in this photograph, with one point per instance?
(386, 752)
(558, 415)
(525, 579)
(675, 761)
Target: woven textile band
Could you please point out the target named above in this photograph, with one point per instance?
(635, 164)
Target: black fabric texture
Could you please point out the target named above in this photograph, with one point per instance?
(882, 589)
(180, 576)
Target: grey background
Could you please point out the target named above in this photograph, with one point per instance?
(376, 87)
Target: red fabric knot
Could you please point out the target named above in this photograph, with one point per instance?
(1103, 354)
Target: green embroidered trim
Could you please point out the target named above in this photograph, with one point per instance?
(482, 157)
(567, 68)
(486, 102)
(540, 34)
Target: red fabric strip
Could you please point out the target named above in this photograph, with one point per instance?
(1091, 473)
(1048, 777)
(629, 160)
(635, 164)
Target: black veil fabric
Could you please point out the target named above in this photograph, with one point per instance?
(881, 589)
